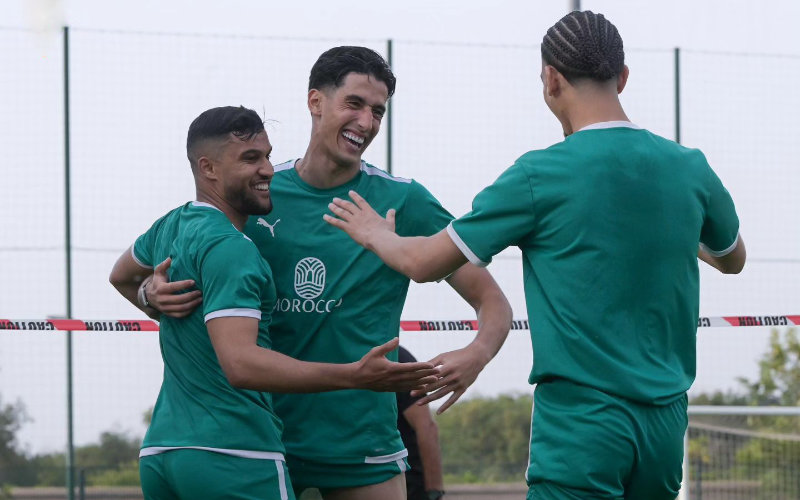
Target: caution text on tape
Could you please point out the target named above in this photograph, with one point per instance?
(135, 325)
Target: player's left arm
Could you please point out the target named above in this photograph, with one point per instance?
(460, 368)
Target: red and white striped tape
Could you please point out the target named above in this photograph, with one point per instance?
(135, 325)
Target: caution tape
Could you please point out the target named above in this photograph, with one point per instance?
(522, 324)
(135, 325)
(79, 325)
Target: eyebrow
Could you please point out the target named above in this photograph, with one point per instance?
(358, 98)
(249, 152)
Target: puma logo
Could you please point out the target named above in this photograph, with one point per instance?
(271, 227)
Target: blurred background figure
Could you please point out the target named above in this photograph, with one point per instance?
(421, 437)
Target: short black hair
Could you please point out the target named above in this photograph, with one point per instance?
(584, 45)
(335, 64)
(218, 123)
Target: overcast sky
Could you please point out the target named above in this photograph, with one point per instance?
(710, 24)
(31, 368)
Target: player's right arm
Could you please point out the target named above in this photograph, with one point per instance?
(721, 245)
(730, 263)
(249, 366)
(127, 276)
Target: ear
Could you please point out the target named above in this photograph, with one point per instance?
(315, 98)
(622, 79)
(553, 81)
(206, 168)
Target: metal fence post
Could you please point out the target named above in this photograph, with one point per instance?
(70, 455)
(678, 95)
(82, 484)
(388, 116)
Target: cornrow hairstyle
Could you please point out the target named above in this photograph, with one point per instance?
(218, 123)
(335, 64)
(584, 45)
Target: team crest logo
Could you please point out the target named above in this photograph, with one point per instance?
(309, 278)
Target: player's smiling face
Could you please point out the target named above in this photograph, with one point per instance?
(349, 116)
(248, 174)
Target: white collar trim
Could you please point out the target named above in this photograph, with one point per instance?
(614, 124)
(204, 204)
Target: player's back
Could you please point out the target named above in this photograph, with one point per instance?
(613, 260)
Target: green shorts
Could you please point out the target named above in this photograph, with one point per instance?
(326, 476)
(586, 444)
(188, 473)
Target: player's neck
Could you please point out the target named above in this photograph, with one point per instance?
(321, 171)
(586, 112)
(237, 219)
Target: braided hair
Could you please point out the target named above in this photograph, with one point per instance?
(584, 45)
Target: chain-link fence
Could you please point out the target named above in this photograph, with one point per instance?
(461, 115)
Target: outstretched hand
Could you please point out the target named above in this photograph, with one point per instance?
(358, 219)
(165, 297)
(457, 371)
(376, 373)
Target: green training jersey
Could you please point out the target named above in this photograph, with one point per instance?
(609, 222)
(336, 301)
(196, 405)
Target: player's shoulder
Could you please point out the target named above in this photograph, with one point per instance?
(283, 171)
(283, 168)
(169, 225)
(206, 226)
(172, 215)
(379, 175)
(380, 183)
(677, 152)
(527, 163)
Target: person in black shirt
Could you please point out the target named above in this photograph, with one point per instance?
(421, 437)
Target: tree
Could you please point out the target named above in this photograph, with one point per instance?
(13, 462)
(486, 439)
(778, 382)
(769, 450)
(111, 462)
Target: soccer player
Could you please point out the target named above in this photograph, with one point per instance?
(335, 299)
(421, 437)
(213, 429)
(611, 223)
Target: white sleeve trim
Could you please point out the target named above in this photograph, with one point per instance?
(721, 253)
(242, 312)
(463, 247)
(136, 259)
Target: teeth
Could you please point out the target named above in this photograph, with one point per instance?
(262, 187)
(353, 137)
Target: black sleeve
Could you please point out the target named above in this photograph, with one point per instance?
(404, 399)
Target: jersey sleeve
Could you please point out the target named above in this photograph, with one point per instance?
(720, 231)
(232, 279)
(501, 216)
(143, 249)
(422, 214)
